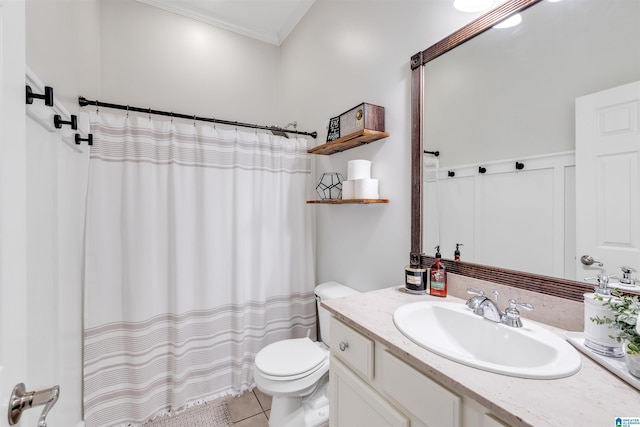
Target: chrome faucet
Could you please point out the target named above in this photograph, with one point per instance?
(626, 278)
(487, 308)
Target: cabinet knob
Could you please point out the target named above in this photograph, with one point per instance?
(343, 345)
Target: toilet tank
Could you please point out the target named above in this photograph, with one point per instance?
(324, 292)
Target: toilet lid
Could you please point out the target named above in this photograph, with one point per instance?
(290, 357)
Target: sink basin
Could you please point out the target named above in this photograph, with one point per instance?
(453, 331)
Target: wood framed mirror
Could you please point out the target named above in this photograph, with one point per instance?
(546, 284)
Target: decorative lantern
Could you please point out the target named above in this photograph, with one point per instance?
(330, 186)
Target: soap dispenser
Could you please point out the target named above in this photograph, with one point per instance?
(456, 253)
(597, 336)
(438, 277)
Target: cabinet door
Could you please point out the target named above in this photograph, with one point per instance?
(354, 403)
(431, 403)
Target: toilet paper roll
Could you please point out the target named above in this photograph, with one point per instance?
(358, 169)
(366, 189)
(348, 189)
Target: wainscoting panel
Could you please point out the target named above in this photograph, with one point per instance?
(520, 219)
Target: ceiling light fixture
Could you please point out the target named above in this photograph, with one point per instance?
(472, 6)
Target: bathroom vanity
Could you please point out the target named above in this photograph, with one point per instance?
(379, 377)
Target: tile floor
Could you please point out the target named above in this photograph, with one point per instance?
(251, 409)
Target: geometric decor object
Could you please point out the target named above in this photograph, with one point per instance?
(330, 186)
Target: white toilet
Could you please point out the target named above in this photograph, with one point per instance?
(295, 372)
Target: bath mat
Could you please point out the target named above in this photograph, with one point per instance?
(210, 414)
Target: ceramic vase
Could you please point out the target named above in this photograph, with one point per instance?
(633, 362)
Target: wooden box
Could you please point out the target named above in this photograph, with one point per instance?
(360, 117)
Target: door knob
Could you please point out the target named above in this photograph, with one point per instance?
(588, 260)
(21, 400)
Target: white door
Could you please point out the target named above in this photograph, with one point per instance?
(608, 180)
(13, 222)
(42, 189)
(55, 199)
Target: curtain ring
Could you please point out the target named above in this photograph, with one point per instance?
(97, 107)
(194, 120)
(149, 113)
(127, 111)
(172, 117)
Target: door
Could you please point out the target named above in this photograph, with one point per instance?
(354, 403)
(42, 192)
(56, 177)
(607, 180)
(13, 223)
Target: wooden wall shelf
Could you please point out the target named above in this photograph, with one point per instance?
(355, 139)
(342, 201)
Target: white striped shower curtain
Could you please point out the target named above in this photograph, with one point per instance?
(198, 253)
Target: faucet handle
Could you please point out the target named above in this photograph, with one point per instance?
(512, 315)
(626, 278)
(476, 300)
(627, 270)
(475, 292)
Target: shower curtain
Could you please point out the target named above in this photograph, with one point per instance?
(197, 254)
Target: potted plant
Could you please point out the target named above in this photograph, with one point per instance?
(625, 309)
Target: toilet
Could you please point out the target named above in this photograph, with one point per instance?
(295, 372)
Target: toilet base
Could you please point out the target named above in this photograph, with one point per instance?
(307, 411)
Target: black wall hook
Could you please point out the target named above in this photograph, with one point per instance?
(48, 96)
(482, 169)
(519, 165)
(451, 174)
(58, 122)
(435, 153)
(89, 139)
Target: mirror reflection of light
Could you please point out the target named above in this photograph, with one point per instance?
(511, 21)
(472, 6)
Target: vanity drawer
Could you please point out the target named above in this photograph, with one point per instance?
(352, 347)
(427, 400)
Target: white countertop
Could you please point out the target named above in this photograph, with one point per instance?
(592, 397)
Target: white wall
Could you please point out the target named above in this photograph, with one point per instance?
(63, 47)
(151, 57)
(341, 54)
(127, 52)
(560, 57)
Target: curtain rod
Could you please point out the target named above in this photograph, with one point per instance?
(277, 130)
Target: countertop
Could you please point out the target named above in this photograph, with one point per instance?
(591, 397)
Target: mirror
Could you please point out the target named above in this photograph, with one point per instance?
(561, 51)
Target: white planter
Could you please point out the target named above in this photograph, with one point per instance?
(597, 337)
(633, 362)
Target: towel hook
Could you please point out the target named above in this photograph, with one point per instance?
(79, 139)
(58, 122)
(47, 96)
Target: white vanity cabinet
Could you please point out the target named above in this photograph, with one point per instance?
(372, 387)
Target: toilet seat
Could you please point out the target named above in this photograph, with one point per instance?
(290, 359)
